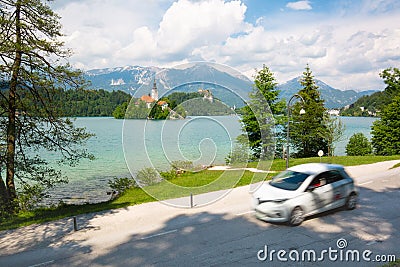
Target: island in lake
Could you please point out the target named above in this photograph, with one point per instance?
(177, 105)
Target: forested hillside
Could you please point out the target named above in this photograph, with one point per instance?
(78, 103)
(369, 105)
(91, 103)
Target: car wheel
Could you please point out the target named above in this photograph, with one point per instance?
(351, 202)
(297, 216)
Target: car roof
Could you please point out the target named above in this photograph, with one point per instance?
(315, 168)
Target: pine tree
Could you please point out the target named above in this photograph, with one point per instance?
(261, 115)
(386, 131)
(33, 68)
(307, 130)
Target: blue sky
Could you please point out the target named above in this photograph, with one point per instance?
(346, 43)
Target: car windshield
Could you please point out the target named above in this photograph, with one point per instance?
(288, 180)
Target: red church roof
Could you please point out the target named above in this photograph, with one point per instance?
(147, 99)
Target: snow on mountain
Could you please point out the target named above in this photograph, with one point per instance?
(228, 85)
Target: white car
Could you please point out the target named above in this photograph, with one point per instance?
(304, 190)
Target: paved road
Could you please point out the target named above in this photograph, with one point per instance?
(224, 233)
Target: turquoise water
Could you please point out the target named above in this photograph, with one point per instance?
(123, 146)
(353, 125)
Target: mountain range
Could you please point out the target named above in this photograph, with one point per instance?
(226, 84)
(334, 98)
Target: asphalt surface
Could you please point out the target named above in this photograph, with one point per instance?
(223, 233)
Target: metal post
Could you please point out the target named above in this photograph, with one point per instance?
(75, 224)
(287, 136)
(288, 128)
(191, 200)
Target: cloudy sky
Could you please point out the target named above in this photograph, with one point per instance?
(345, 42)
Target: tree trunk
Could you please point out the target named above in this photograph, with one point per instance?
(3, 191)
(12, 110)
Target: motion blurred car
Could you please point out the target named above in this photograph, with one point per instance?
(304, 190)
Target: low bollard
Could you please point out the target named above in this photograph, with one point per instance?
(75, 224)
(191, 200)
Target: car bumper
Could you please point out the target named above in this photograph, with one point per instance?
(271, 213)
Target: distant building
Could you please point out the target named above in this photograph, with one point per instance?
(153, 97)
(154, 91)
(207, 95)
(163, 104)
(334, 112)
(148, 99)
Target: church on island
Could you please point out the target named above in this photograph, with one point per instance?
(152, 97)
(149, 99)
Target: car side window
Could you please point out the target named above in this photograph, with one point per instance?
(333, 176)
(318, 181)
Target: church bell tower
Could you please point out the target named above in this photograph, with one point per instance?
(154, 91)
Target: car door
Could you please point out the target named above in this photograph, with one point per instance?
(339, 188)
(321, 191)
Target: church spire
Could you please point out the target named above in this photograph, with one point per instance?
(154, 91)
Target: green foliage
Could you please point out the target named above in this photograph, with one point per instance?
(358, 145)
(122, 184)
(90, 103)
(169, 175)
(29, 196)
(34, 69)
(334, 131)
(367, 106)
(386, 131)
(372, 105)
(177, 98)
(148, 176)
(239, 154)
(203, 107)
(261, 114)
(157, 113)
(119, 111)
(391, 77)
(307, 131)
(138, 110)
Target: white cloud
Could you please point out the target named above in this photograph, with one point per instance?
(299, 5)
(344, 51)
(186, 25)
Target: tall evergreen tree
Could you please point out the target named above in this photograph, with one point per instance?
(262, 114)
(33, 67)
(307, 130)
(386, 130)
(391, 77)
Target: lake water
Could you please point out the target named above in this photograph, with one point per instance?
(123, 146)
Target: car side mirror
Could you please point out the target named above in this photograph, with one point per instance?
(310, 188)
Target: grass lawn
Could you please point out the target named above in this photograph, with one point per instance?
(184, 185)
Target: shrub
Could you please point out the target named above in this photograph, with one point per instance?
(148, 176)
(169, 175)
(358, 145)
(122, 184)
(239, 154)
(29, 196)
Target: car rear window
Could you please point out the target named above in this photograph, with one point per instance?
(288, 180)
